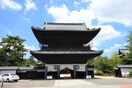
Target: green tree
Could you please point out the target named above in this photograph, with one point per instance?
(31, 61)
(115, 59)
(90, 62)
(128, 58)
(3, 57)
(103, 65)
(14, 49)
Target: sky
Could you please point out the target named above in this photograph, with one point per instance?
(114, 17)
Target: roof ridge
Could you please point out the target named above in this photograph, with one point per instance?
(51, 23)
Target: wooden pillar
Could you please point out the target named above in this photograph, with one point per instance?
(57, 67)
(74, 71)
(46, 71)
(58, 71)
(75, 68)
(86, 69)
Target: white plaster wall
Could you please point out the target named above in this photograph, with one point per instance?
(62, 66)
(7, 71)
(125, 71)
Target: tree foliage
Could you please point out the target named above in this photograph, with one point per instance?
(115, 59)
(130, 74)
(12, 51)
(3, 57)
(31, 61)
(128, 58)
(103, 64)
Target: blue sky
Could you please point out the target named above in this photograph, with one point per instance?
(113, 16)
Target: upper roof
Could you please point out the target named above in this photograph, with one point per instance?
(64, 34)
(64, 37)
(65, 26)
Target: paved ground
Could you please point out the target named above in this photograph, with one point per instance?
(98, 82)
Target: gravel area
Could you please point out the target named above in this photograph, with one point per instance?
(98, 82)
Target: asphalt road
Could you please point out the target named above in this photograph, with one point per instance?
(98, 82)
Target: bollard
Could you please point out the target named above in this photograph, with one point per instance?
(2, 82)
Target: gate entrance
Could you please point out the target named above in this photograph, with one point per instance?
(65, 73)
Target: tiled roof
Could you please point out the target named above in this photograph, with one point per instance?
(26, 68)
(9, 67)
(65, 26)
(123, 51)
(68, 52)
(15, 67)
(124, 66)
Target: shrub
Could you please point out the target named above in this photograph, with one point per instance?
(98, 72)
(130, 73)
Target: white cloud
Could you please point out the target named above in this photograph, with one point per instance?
(63, 14)
(10, 4)
(26, 19)
(76, 3)
(105, 11)
(116, 46)
(51, 1)
(59, 13)
(125, 44)
(29, 4)
(112, 10)
(85, 0)
(30, 47)
(107, 33)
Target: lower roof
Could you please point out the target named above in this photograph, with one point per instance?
(65, 57)
(67, 52)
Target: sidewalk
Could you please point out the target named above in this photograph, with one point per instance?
(106, 77)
